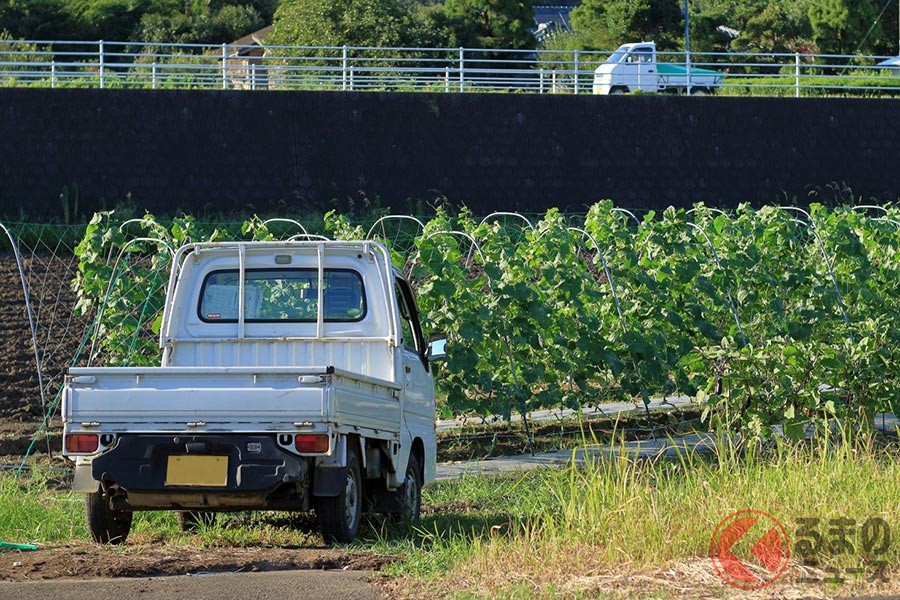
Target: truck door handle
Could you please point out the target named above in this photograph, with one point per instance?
(408, 369)
(651, 71)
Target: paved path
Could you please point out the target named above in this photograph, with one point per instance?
(606, 410)
(563, 458)
(273, 585)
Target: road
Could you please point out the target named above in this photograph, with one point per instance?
(274, 585)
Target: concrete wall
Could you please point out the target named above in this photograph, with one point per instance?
(215, 153)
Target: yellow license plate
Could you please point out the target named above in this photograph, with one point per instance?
(197, 470)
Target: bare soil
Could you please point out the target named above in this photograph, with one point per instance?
(59, 332)
(89, 561)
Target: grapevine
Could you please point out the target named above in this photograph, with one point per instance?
(768, 317)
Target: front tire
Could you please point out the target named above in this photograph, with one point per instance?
(339, 516)
(107, 526)
(410, 493)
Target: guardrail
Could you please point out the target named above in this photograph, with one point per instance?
(106, 64)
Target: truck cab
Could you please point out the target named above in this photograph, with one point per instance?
(632, 67)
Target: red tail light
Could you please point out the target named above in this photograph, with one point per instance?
(84, 443)
(311, 443)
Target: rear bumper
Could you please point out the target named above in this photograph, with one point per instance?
(259, 473)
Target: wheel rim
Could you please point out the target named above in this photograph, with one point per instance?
(411, 497)
(351, 501)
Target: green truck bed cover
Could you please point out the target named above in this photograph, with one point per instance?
(672, 69)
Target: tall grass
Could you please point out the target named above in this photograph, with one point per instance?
(626, 515)
(31, 510)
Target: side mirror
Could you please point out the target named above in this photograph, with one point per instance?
(437, 343)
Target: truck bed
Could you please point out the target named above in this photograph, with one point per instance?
(672, 69)
(232, 399)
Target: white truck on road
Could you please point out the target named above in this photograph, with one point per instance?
(634, 68)
(294, 376)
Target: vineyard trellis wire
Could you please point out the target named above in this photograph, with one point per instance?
(764, 318)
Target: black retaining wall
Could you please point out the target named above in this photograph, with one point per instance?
(216, 153)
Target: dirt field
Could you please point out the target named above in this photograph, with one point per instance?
(59, 334)
(90, 561)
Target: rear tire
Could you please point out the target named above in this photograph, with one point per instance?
(191, 521)
(339, 516)
(618, 91)
(107, 526)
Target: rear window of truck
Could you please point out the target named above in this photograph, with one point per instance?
(282, 295)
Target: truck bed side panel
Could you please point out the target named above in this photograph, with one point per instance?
(225, 399)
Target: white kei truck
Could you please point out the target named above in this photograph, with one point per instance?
(295, 376)
(634, 68)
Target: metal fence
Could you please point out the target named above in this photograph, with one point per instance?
(104, 64)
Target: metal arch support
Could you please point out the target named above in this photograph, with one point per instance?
(625, 211)
(870, 207)
(508, 214)
(710, 209)
(508, 346)
(612, 287)
(811, 225)
(394, 217)
(150, 225)
(164, 243)
(887, 220)
(125, 247)
(516, 215)
(308, 237)
(799, 210)
(609, 277)
(32, 325)
(731, 304)
(461, 234)
(283, 220)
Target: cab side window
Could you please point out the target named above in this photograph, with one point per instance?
(407, 333)
(410, 330)
(640, 55)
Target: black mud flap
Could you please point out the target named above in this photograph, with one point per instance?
(329, 481)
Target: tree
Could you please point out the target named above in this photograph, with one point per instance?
(116, 20)
(778, 26)
(606, 24)
(754, 25)
(432, 27)
(339, 22)
(493, 23)
(840, 26)
(39, 20)
(225, 24)
(205, 21)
